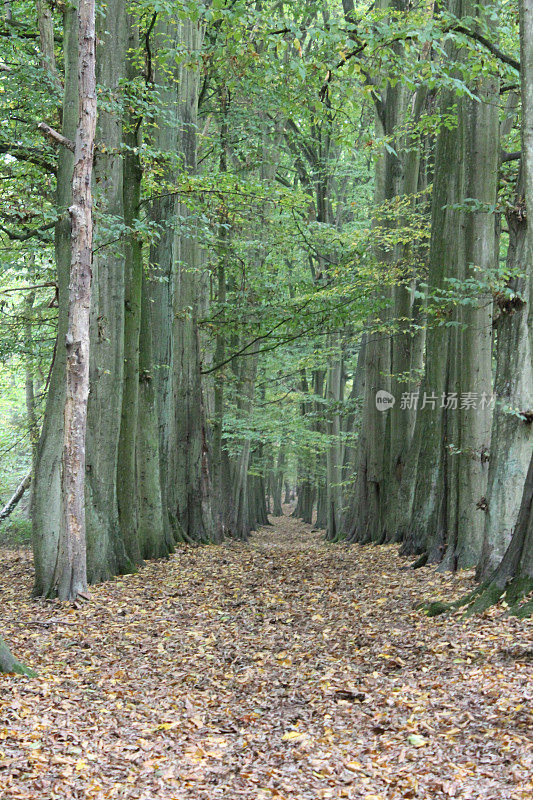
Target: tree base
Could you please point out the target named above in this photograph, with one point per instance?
(489, 594)
(9, 664)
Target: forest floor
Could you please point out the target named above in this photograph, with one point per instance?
(283, 668)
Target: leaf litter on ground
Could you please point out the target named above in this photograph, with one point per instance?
(285, 668)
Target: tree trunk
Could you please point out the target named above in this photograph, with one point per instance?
(277, 488)
(513, 392)
(190, 498)
(70, 578)
(475, 370)
(128, 508)
(241, 524)
(154, 538)
(46, 42)
(514, 575)
(404, 343)
(106, 554)
(220, 510)
(9, 664)
(429, 505)
(334, 455)
(163, 213)
(47, 503)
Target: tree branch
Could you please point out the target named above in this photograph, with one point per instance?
(12, 502)
(55, 137)
(30, 154)
(516, 156)
(478, 37)
(29, 234)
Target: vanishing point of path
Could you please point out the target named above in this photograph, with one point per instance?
(284, 668)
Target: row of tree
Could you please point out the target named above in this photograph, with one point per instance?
(445, 470)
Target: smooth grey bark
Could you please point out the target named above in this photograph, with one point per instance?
(447, 521)
(190, 491)
(513, 578)
(429, 504)
(163, 213)
(277, 484)
(351, 450)
(334, 453)
(127, 499)
(154, 538)
(221, 509)
(475, 368)
(511, 439)
(106, 554)
(405, 342)
(517, 564)
(305, 490)
(257, 490)
(46, 506)
(241, 524)
(366, 521)
(514, 575)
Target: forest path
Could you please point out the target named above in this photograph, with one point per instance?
(282, 668)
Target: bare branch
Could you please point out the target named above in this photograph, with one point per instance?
(56, 137)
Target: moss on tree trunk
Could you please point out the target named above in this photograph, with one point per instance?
(9, 664)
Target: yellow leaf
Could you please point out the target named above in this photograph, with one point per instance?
(353, 765)
(291, 735)
(167, 726)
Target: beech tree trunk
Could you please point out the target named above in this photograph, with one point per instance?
(106, 553)
(277, 484)
(429, 503)
(512, 437)
(190, 498)
(128, 502)
(47, 501)
(9, 664)
(163, 211)
(454, 438)
(475, 340)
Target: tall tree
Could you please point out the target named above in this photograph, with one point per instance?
(106, 551)
(47, 502)
(70, 579)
